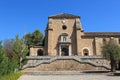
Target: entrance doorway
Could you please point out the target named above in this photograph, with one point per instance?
(40, 52)
(86, 52)
(64, 50)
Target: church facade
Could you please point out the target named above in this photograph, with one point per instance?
(64, 36)
(68, 47)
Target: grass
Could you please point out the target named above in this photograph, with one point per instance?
(12, 76)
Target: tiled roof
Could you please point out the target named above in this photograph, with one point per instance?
(64, 15)
(102, 34)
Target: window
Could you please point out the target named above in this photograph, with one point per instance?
(64, 38)
(86, 52)
(64, 27)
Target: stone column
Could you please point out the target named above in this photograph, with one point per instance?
(59, 50)
(70, 54)
(98, 45)
(49, 36)
(79, 32)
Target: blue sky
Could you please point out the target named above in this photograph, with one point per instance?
(24, 16)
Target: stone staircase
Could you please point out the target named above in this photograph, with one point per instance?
(36, 61)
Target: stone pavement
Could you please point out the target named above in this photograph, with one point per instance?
(85, 76)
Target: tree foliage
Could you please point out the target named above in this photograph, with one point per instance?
(12, 55)
(8, 48)
(14, 51)
(34, 39)
(20, 50)
(6, 65)
(111, 51)
(3, 61)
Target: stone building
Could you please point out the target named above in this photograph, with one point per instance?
(66, 42)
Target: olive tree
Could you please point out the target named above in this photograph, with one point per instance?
(20, 50)
(111, 51)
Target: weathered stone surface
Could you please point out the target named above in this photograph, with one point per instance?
(64, 65)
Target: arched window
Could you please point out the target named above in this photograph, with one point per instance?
(63, 37)
(40, 52)
(86, 52)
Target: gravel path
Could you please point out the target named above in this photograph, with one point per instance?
(69, 77)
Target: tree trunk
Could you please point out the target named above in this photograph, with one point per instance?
(20, 62)
(113, 66)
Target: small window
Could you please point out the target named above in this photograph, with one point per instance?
(64, 38)
(64, 27)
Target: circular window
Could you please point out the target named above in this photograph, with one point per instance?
(64, 27)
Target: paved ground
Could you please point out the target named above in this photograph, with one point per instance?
(70, 77)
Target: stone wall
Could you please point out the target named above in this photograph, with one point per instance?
(34, 50)
(65, 65)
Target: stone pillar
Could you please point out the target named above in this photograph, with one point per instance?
(70, 54)
(49, 38)
(59, 50)
(33, 52)
(79, 32)
(95, 46)
(98, 45)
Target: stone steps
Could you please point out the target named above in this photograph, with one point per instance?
(50, 60)
(65, 72)
(54, 73)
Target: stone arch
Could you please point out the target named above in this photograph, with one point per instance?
(86, 52)
(39, 52)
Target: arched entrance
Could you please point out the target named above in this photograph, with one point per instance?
(40, 52)
(86, 52)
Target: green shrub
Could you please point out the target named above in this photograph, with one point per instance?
(3, 62)
(12, 76)
(7, 65)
